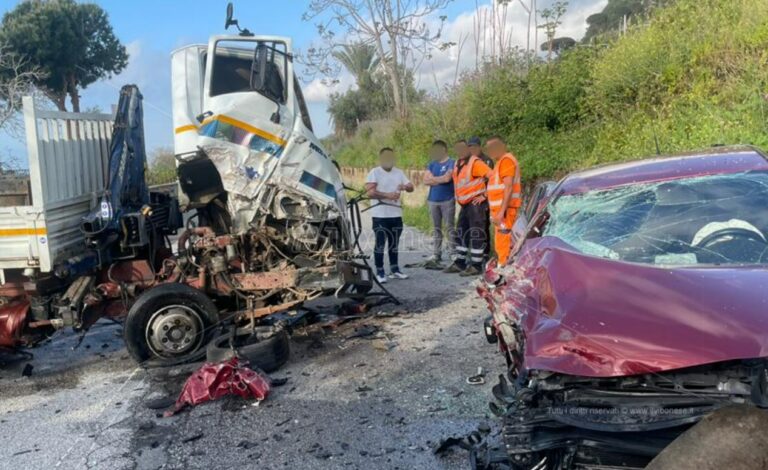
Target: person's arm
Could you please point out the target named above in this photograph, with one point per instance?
(446, 178)
(429, 178)
(507, 173)
(373, 193)
(406, 185)
(480, 169)
(499, 219)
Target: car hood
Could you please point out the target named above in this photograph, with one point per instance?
(588, 316)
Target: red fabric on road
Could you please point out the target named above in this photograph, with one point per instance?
(213, 381)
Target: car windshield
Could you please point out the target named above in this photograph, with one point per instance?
(720, 219)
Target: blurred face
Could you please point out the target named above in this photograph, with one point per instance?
(495, 148)
(461, 149)
(387, 159)
(437, 153)
(475, 150)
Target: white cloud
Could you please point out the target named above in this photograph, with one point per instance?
(317, 91)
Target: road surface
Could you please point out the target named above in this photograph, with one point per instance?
(370, 402)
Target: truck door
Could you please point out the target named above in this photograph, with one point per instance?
(248, 101)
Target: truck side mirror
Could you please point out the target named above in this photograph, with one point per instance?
(259, 68)
(230, 12)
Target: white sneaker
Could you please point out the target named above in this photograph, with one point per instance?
(398, 275)
(381, 279)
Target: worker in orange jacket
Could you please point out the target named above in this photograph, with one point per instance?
(504, 195)
(469, 177)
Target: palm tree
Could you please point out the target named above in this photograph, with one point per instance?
(360, 60)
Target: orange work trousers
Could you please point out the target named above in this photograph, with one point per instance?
(503, 239)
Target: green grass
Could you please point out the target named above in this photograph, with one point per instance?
(694, 75)
(417, 217)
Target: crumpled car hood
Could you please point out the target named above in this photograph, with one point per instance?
(595, 317)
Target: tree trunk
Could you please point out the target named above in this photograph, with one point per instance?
(73, 95)
(391, 71)
(60, 101)
(58, 98)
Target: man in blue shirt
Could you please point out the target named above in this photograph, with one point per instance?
(441, 199)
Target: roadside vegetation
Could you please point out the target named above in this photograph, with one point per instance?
(686, 75)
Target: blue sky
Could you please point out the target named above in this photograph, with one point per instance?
(152, 29)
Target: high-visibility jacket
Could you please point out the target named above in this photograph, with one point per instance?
(465, 185)
(496, 187)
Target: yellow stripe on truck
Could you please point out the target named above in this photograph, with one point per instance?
(187, 128)
(247, 127)
(20, 232)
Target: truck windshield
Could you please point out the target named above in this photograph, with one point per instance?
(232, 68)
(720, 219)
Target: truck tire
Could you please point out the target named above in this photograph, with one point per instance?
(169, 324)
(268, 354)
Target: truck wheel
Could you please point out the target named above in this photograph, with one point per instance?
(169, 324)
(268, 354)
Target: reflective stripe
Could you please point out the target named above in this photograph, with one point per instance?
(475, 250)
(467, 187)
(494, 203)
(461, 248)
(471, 195)
(492, 187)
(246, 127)
(19, 232)
(477, 259)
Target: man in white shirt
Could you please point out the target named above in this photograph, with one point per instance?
(384, 185)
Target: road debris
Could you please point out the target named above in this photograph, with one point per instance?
(477, 379)
(213, 381)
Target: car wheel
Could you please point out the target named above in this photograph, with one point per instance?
(169, 324)
(267, 353)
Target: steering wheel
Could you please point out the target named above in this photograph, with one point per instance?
(735, 244)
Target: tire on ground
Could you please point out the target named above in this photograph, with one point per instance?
(268, 354)
(149, 302)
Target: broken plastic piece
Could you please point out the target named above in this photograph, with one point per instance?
(213, 381)
(477, 379)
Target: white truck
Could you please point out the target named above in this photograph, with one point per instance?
(268, 228)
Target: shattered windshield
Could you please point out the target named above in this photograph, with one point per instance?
(721, 219)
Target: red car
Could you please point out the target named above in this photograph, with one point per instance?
(635, 304)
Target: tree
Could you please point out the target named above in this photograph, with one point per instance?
(162, 166)
(558, 45)
(552, 19)
(17, 78)
(360, 60)
(71, 44)
(398, 30)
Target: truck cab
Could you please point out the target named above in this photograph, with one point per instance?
(238, 108)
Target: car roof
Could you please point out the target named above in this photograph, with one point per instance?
(713, 161)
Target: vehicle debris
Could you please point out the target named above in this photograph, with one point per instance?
(214, 381)
(268, 224)
(27, 371)
(477, 379)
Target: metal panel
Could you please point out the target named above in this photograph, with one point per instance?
(68, 155)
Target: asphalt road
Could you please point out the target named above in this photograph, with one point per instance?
(380, 401)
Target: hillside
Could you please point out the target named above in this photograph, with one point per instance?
(694, 74)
